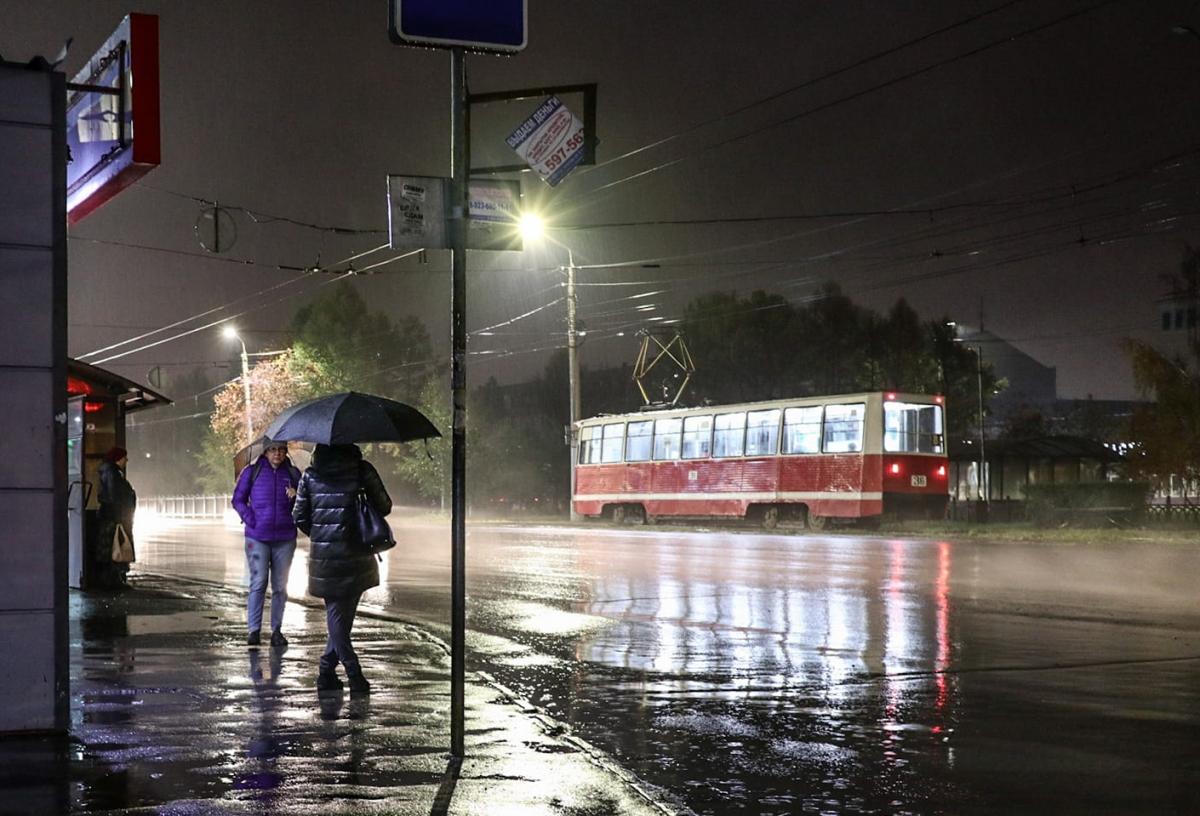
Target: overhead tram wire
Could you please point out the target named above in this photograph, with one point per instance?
(338, 277)
(736, 112)
(851, 97)
(939, 233)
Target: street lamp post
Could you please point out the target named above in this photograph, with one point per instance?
(531, 227)
(985, 493)
(573, 375)
(232, 333)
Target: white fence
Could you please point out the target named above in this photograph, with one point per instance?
(196, 507)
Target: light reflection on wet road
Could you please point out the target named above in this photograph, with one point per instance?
(764, 674)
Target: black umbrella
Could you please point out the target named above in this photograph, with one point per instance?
(351, 417)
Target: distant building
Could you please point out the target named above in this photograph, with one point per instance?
(1178, 323)
(1030, 384)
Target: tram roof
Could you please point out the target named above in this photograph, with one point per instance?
(861, 396)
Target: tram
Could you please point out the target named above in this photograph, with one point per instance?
(852, 458)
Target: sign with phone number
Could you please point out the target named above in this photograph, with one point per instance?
(550, 141)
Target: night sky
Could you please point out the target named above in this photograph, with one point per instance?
(1032, 163)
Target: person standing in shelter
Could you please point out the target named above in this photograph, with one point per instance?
(118, 501)
(264, 497)
(340, 568)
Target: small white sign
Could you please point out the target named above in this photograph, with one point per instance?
(550, 141)
(417, 212)
(417, 217)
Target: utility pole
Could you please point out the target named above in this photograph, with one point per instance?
(572, 375)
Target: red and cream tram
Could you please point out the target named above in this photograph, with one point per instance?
(855, 457)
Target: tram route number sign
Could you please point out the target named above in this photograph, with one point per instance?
(550, 141)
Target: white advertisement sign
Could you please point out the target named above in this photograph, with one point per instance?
(550, 141)
(417, 212)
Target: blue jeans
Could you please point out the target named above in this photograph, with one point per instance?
(268, 559)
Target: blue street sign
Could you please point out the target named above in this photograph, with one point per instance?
(481, 25)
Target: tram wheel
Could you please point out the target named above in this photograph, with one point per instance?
(817, 523)
(618, 514)
(770, 518)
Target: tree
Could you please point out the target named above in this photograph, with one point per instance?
(426, 464)
(744, 348)
(275, 384)
(904, 350)
(833, 343)
(360, 350)
(170, 436)
(966, 381)
(1166, 434)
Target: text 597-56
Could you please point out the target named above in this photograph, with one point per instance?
(569, 146)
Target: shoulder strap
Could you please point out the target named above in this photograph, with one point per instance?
(253, 476)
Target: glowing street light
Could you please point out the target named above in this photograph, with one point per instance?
(532, 228)
(231, 333)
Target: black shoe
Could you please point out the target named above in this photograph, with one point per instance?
(358, 684)
(328, 681)
(254, 638)
(278, 641)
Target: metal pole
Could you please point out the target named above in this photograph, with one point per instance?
(457, 227)
(572, 374)
(983, 486)
(246, 393)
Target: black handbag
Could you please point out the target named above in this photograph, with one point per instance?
(373, 529)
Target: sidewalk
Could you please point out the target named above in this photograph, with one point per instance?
(172, 714)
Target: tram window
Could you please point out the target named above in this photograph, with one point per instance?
(912, 428)
(637, 441)
(697, 437)
(762, 432)
(666, 438)
(802, 430)
(589, 440)
(614, 440)
(844, 428)
(729, 432)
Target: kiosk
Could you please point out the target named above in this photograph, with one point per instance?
(97, 403)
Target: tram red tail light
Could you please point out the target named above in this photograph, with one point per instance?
(895, 468)
(941, 471)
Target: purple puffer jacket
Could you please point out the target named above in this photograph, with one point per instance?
(265, 507)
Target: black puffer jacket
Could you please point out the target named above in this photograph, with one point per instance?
(338, 566)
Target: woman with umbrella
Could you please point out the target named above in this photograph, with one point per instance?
(340, 569)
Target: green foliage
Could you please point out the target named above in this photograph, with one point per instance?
(359, 350)
(275, 384)
(214, 466)
(1167, 433)
(517, 444)
(746, 345)
(426, 464)
(762, 347)
(167, 439)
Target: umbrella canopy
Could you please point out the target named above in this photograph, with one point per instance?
(249, 454)
(340, 419)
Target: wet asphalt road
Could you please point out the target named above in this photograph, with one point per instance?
(754, 673)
